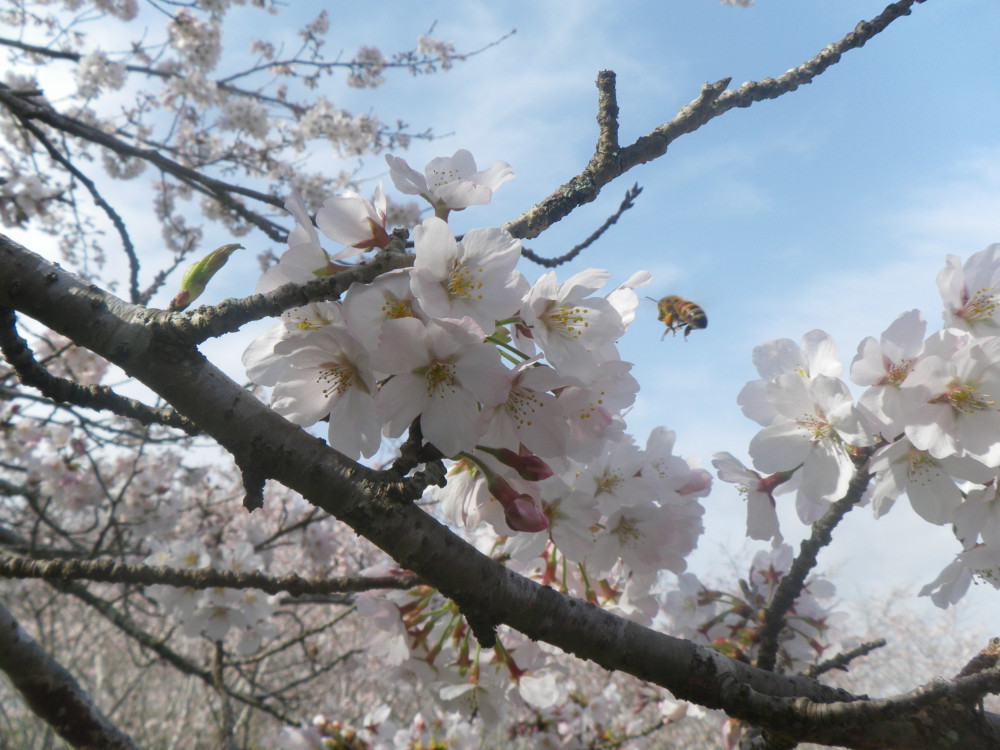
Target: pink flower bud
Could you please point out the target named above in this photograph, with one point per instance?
(518, 509)
(522, 515)
(525, 463)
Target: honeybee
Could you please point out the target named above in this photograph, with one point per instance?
(678, 313)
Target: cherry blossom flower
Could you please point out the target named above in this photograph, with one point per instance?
(330, 377)
(615, 479)
(949, 398)
(816, 356)
(304, 259)
(263, 364)
(531, 415)
(474, 277)
(569, 324)
(670, 476)
(593, 410)
(969, 291)
(367, 306)
(885, 364)
(449, 183)
(815, 420)
(927, 481)
(571, 514)
(689, 607)
(762, 519)
(646, 538)
(444, 373)
(352, 220)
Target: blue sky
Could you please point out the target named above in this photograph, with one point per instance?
(832, 207)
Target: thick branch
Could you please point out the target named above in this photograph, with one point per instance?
(98, 397)
(52, 692)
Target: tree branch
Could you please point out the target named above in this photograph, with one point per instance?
(611, 161)
(627, 203)
(52, 693)
(791, 584)
(98, 397)
(111, 571)
(31, 108)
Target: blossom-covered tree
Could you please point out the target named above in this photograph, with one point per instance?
(424, 512)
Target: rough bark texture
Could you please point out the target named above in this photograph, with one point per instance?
(52, 693)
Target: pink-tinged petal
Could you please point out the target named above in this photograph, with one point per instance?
(869, 365)
(448, 335)
(779, 447)
(480, 371)
(493, 177)
(263, 366)
(754, 403)
(298, 400)
(450, 421)
(354, 428)
(933, 494)
(774, 358)
(827, 472)
(950, 585)
(978, 435)
(344, 218)
(581, 284)
(399, 401)
(731, 469)
(433, 296)
(930, 429)
(459, 195)
(443, 170)
(405, 178)
(904, 338)
(820, 354)
(762, 519)
(435, 248)
(402, 346)
(296, 206)
(379, 202)
(492, 249)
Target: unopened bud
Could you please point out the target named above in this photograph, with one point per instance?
(199, 274)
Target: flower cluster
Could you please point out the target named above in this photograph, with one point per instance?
(926, 426)
(520, 385)
(731, 622)
(517, 382)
